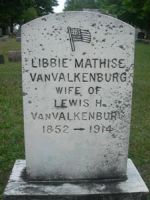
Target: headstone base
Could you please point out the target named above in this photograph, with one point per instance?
(18, 188)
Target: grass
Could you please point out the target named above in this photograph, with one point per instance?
(139, 149)
(11, 123)
(11, 120)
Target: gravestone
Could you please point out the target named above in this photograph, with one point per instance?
(77, 72)
(2, 60)
(18, 35)
(14, 56)
(77, 85)
(1, 32)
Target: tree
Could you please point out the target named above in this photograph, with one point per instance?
(29, 14)
(14, 11)
(44, 7)
(138, 13)
(114, 7)
(10, 12)
(80, 4)
(135, 12)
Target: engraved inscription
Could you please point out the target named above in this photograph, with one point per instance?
(78, 35)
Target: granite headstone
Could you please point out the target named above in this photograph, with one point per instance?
(77, 86)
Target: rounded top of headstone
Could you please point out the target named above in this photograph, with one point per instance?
(90, 15)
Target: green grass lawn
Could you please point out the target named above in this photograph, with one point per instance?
(11, 116)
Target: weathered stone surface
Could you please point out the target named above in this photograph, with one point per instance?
(14, 56)
(2, 60)
(18, 188)
(77, 87)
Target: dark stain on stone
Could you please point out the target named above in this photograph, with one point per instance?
(121, 26)
(114, 136)
(103, 40)
(30, 102)
(58, 178)
(83, 53)
(108, 26)
(24, 93)
(93, 24)
(44, 19)
(121, 47)
(127, 69)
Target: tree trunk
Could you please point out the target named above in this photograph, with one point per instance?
(12, 26)
(4, 29)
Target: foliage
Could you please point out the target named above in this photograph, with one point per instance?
(10, 11)
(29, 14)
(135, 12)
(138, 13)
(18, 11)
(44, 7)
(79, 4)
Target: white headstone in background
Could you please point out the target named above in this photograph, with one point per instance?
(77, 87)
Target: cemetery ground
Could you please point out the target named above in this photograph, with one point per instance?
(11, 114)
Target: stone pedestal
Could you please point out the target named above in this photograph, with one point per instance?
(18, 188)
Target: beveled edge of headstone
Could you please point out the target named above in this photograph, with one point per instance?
(17, 187)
